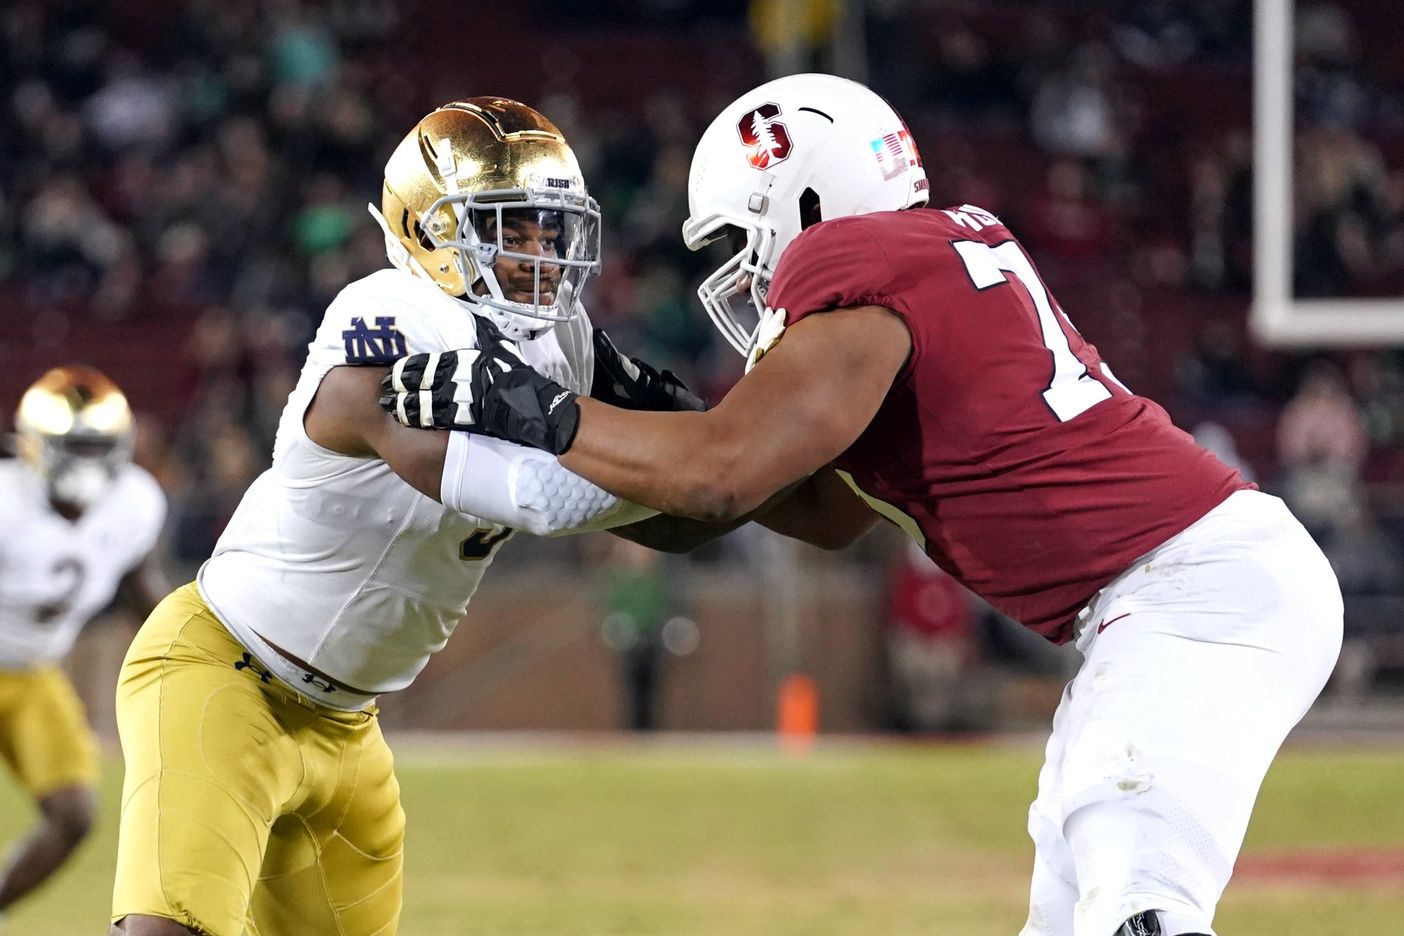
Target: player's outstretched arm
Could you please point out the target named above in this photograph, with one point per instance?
(631, 383)
(802, 405)
(821, 510)
(487, 478)
(806, 402)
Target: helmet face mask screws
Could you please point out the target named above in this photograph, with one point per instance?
(485, 199)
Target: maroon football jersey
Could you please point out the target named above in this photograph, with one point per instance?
(1033, 475)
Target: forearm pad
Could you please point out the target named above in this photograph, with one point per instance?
(527, 489)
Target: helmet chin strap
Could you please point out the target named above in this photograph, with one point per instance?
(519, 326)
(510, 326)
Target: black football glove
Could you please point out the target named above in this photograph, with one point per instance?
(488, 390)
(632, 384)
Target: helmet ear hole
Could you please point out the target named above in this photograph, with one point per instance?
(809, 209)
(422, 237)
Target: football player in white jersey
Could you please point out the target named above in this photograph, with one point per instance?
(80, 524)
(259, 790)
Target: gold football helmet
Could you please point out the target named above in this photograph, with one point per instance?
(75, 428)
(485, 199)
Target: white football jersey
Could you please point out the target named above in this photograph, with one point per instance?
(56, 574)
(334, 558)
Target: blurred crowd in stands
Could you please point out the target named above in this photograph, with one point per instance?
(207, 164)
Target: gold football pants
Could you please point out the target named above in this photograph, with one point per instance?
(44, 735)
(245, 806)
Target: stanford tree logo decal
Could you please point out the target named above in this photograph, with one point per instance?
(767, 142)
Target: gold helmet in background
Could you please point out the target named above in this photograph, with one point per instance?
(467, 196)
(76, 429)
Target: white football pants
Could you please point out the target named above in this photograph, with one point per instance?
(1198, 660)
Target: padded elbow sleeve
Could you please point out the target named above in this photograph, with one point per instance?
(564, 502)
(526, 489)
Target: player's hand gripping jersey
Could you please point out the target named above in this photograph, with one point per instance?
(56, 574)
(1027, 471)
(334, 558)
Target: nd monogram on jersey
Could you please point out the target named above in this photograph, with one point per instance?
(1005, 447)
(56, 574)
(337, 560)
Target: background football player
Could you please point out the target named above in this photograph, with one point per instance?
(259, 789)
(919, 353)
(80, 524)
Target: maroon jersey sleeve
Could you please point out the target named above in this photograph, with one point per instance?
(839, 264)
(833, 265)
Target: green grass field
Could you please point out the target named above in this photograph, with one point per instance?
(850, 840)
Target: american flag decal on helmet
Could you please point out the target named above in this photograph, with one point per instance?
(895, 152)
(767, 141)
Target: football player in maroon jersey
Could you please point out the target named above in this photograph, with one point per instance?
(910, 364)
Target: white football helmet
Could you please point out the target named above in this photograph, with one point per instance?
(794, 151)
(75, 429)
